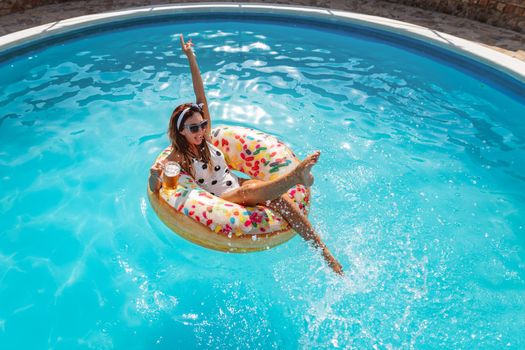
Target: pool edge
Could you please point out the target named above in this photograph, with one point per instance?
(468, 49)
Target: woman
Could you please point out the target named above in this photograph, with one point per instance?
(189, 133)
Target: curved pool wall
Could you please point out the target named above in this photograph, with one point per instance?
(486, 64)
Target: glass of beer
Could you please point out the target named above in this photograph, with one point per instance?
(170, 176)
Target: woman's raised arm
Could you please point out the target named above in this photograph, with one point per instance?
(198, 86)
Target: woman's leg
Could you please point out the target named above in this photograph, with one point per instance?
(256, 192)
(289, 211)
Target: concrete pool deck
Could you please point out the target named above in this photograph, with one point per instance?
(506, 41)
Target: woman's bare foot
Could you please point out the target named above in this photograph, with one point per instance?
(303, 170)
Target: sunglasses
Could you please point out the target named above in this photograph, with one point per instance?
(194, 128)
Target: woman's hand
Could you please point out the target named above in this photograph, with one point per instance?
(187, 47)
(155, 173)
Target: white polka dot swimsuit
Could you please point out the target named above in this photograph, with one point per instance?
(218, 180)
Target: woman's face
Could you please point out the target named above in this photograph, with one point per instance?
(193, 138)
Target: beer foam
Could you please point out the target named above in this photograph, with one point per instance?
(172, 169)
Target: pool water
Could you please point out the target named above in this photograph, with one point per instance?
(419, 192)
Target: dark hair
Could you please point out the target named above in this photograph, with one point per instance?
(179, 142)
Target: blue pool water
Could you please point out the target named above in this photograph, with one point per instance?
(419, 193)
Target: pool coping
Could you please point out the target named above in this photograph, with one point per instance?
(501, 62)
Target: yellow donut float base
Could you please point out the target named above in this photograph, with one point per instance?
(202, 235)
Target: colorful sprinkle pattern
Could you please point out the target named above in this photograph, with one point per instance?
(254, 153)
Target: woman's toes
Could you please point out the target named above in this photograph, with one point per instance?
(311, 157)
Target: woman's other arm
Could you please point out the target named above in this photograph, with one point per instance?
(198, 85)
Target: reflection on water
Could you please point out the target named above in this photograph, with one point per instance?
(419, 193)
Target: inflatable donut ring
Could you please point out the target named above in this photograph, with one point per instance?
(212, 222)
